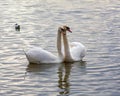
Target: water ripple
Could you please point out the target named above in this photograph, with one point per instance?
(94, 23)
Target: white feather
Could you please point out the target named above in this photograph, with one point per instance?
(39, 55)
(77, 51)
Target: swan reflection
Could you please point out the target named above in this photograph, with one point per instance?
(39, 67)
(64, 72)
(64, 75)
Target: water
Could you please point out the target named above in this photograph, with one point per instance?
(95, 23)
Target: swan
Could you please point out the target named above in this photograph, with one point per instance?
(74, 51)
(39, 55)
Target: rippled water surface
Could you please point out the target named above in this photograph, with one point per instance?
(95, 23)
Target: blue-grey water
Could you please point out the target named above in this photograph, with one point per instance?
(95, 23)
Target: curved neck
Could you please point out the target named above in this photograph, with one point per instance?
(59, 49)
(68, 57)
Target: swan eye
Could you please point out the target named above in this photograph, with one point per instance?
(62, 29)
(67, 28)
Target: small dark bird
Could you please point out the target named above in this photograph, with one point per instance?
(17, 27)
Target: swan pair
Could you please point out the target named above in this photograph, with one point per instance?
(66, 53)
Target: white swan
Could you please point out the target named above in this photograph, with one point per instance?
(39, 55)
(73, 52)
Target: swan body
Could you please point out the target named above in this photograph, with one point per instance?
(39, 55)
(77, 51)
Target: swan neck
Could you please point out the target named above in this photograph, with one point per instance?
(59, 49)
(68, 57)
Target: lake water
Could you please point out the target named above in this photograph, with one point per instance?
(95, 23)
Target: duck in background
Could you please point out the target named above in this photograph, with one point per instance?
(17, 27)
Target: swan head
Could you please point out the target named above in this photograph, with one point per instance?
(64, 29)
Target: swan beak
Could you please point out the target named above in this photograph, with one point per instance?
(70, 31)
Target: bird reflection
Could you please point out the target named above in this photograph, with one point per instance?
(38, 68)
(63, 74)
(64, 71)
